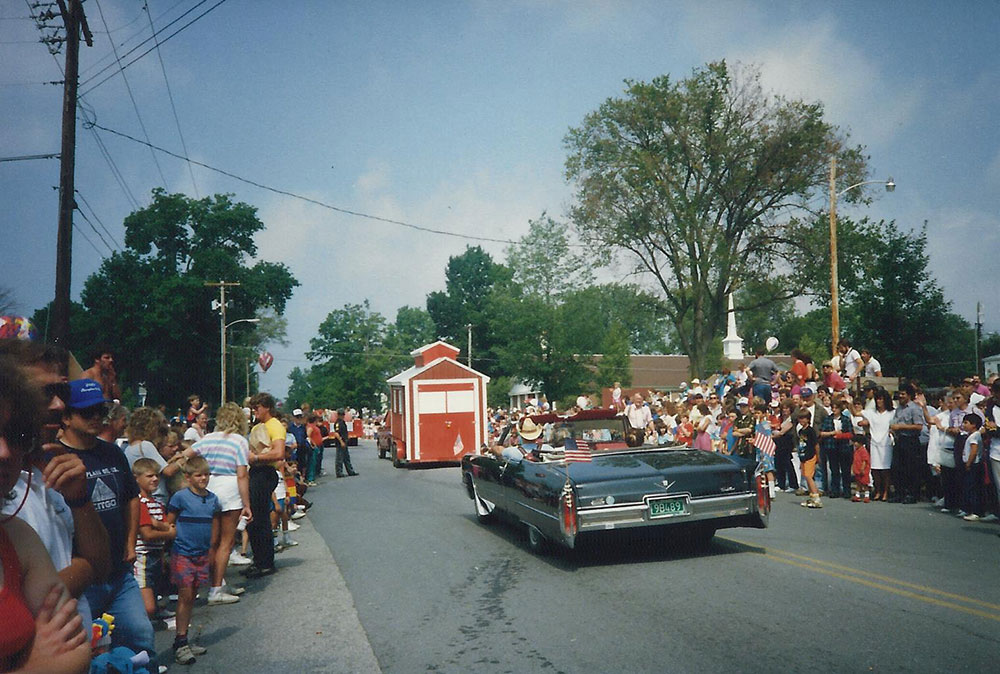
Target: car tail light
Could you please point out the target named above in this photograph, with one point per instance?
(763, 495)
(567, 513)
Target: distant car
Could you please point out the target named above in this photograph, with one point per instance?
(683, 493)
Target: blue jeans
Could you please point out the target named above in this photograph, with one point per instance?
(121, 597)
(762, 391)
(819, 477)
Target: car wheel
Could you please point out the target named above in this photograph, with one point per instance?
(536, 541)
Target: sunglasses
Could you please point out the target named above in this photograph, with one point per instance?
(57, 390)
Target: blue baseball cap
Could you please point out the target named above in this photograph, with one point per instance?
(84, 393)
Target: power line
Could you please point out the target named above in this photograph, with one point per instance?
(87, 239)
(170, 95)
(152, 48)
(135, 106)
(84, 216)
(26, 157)
(99, 221)
(97, 63)
(300, 197)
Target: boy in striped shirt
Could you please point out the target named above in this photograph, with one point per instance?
(153, 531)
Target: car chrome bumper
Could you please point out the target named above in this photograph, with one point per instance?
(630, 515)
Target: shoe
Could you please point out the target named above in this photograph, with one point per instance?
(961, 513)
(222, 598)
(298, 514)
(989, 518)
(790, 490)
(867, 499)
(235, 591)
(184, 656)
(855, 499)
(289, 543)
(945, 510)
(256, 572)
(813, 503)
(292, 526)
(800, 492)
(341, 476)
(279, 548)
(971, 517)
(161, 669)
(353, 474)
(197, 650)
(236, 559)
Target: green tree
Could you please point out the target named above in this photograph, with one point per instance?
(544, 264)
(413, 328)
(149, 302)
(695, 181)
(350, 362)
(763, 316)
(590, 313)
(900, 313)
(615, 363)
(469, 280)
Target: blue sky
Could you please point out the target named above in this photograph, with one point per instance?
(452, 115)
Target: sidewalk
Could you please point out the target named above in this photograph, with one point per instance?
(300, 619)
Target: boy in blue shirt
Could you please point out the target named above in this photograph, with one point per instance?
(196, 512)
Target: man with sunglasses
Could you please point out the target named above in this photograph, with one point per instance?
(115, 495)
(54, 501)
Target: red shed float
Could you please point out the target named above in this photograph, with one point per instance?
(437, 408)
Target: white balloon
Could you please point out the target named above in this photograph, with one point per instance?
(771, 343)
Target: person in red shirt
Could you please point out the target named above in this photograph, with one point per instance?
(831, 379)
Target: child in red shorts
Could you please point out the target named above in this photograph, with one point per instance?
(196, 511)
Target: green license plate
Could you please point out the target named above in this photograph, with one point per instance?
(667, 507)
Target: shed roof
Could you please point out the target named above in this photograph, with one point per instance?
(411, 372)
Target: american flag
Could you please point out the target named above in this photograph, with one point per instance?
(577, 451)
(762, 439)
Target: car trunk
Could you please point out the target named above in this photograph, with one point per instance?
(629, 477)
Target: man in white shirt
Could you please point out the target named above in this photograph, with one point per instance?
(639, 415)
(873, 368)
(850, 359)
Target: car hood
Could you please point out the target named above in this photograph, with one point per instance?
(629, 477)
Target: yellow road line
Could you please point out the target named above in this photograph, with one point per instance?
(857, 576)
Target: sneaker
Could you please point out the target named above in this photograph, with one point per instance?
(257, 572)
(161, 669)
(184, 656)
(868, 498)
(855, 499)
(990, 518)
(289, 543)
(292, 526)
(789, 490)
(236, 559)
(971, 517)
(945, 510)
(800, 492)
(235, 591)
(197, 650)
(298, 514)
(961, 513)
(222, 598)
(814, 504)
(278, 547)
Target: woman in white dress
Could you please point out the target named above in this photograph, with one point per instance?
(877, 421)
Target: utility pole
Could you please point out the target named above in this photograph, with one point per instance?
(468, 359)
(220, 304)
(979, 338)
(74, 20)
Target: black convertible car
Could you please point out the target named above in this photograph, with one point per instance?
(683, 493)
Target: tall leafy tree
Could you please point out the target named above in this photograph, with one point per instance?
(350, 361)
(469, 280)
(615, 363)
(696, 181)
(413, 328)
(149, 302)
(544, 264)
(590, 313)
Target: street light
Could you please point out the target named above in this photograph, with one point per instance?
(225, 327)
(890, 186)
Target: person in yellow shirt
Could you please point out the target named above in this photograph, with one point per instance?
(267, 447)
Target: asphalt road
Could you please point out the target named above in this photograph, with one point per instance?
(849, 588)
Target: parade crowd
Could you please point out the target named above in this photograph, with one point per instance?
(113, 514)
(830, 432)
